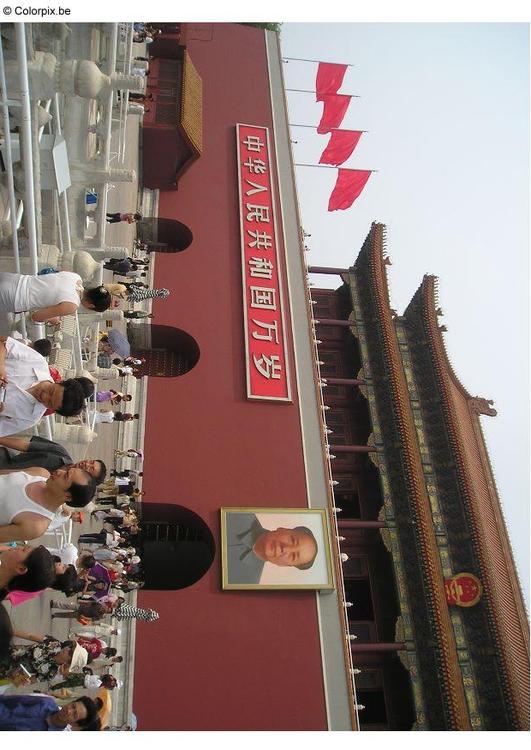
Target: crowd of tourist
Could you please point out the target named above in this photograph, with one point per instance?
(49, 683)
(41, 488)
(94, 577)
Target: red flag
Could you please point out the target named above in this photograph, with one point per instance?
(329, 77)
(335, 106)
(340, 146)
(350, 183)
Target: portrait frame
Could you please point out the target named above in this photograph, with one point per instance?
(273, 577)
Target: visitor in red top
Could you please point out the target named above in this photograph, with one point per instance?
(96, 647)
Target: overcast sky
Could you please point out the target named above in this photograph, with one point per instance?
(446, 107)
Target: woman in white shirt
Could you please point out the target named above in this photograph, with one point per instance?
(51, 295)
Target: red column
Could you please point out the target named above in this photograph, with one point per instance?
(327, 269)
(342, 381)
(353, 449)
(332, 322)
(365, 648)
(361, 524)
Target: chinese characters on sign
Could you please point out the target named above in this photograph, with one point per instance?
(267, 364)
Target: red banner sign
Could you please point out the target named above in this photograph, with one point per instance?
(463, 590)
(265, 341)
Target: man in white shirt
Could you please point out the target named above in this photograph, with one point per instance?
(104, 554)
(30, 389)
(104, 416)
(68, 553)
(126, 370)
(63, 515)
(97, 629)
(103, 537)
(30, 500)
(116, 512)
(87, 681)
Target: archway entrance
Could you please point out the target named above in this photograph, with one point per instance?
(177, 546)
(168, 351)
(164, 235)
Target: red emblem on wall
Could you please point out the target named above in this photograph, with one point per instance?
(265, 340)
(463, 590)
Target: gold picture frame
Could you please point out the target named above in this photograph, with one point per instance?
(275, 548)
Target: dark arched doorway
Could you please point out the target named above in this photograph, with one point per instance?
(177, 546)
(168, 351)
(164, 235)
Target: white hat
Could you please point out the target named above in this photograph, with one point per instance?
(79, 659)
(119, 684)
(135, 559)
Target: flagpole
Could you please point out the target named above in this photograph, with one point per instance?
(326, 166)
(303, 59)
(295, 125)
(306, 91)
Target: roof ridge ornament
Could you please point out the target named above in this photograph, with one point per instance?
(481, 405)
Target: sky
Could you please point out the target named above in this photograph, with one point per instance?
(446, 107)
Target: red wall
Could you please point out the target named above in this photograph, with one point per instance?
(222, 660)
(160, 170)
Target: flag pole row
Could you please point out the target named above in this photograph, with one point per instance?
(327, 166)
(310, 91)
(350, 182)
(297, 125)
(304, 59)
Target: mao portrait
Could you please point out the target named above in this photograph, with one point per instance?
(275, 548)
